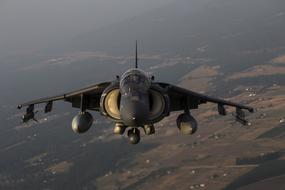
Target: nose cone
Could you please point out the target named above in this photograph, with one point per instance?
(134, 113)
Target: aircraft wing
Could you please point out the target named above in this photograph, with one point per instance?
(183, 99)
(93, 90)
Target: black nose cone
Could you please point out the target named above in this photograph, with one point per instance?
(134, 114)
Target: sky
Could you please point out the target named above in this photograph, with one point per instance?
(28, 25)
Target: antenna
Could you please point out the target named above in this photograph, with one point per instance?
(136, 54)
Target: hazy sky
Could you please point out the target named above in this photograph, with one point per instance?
(33, 24)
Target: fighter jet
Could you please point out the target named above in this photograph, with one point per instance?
(135, 101)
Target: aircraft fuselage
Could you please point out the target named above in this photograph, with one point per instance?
(134, 105)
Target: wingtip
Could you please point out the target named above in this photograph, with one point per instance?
(19, 107)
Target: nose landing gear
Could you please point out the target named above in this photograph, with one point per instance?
(134, 132)
(134, 135)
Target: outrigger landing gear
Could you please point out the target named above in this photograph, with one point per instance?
(134, 135)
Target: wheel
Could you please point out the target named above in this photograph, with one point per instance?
(134, 136)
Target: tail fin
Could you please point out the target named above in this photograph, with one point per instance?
(136, 54)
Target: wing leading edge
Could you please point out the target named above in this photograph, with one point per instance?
(91, 90)
(183, 99)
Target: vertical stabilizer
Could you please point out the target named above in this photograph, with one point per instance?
(136, 54)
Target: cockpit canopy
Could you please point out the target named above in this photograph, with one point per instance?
(134, 80)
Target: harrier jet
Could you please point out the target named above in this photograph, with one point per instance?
(134, 100)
